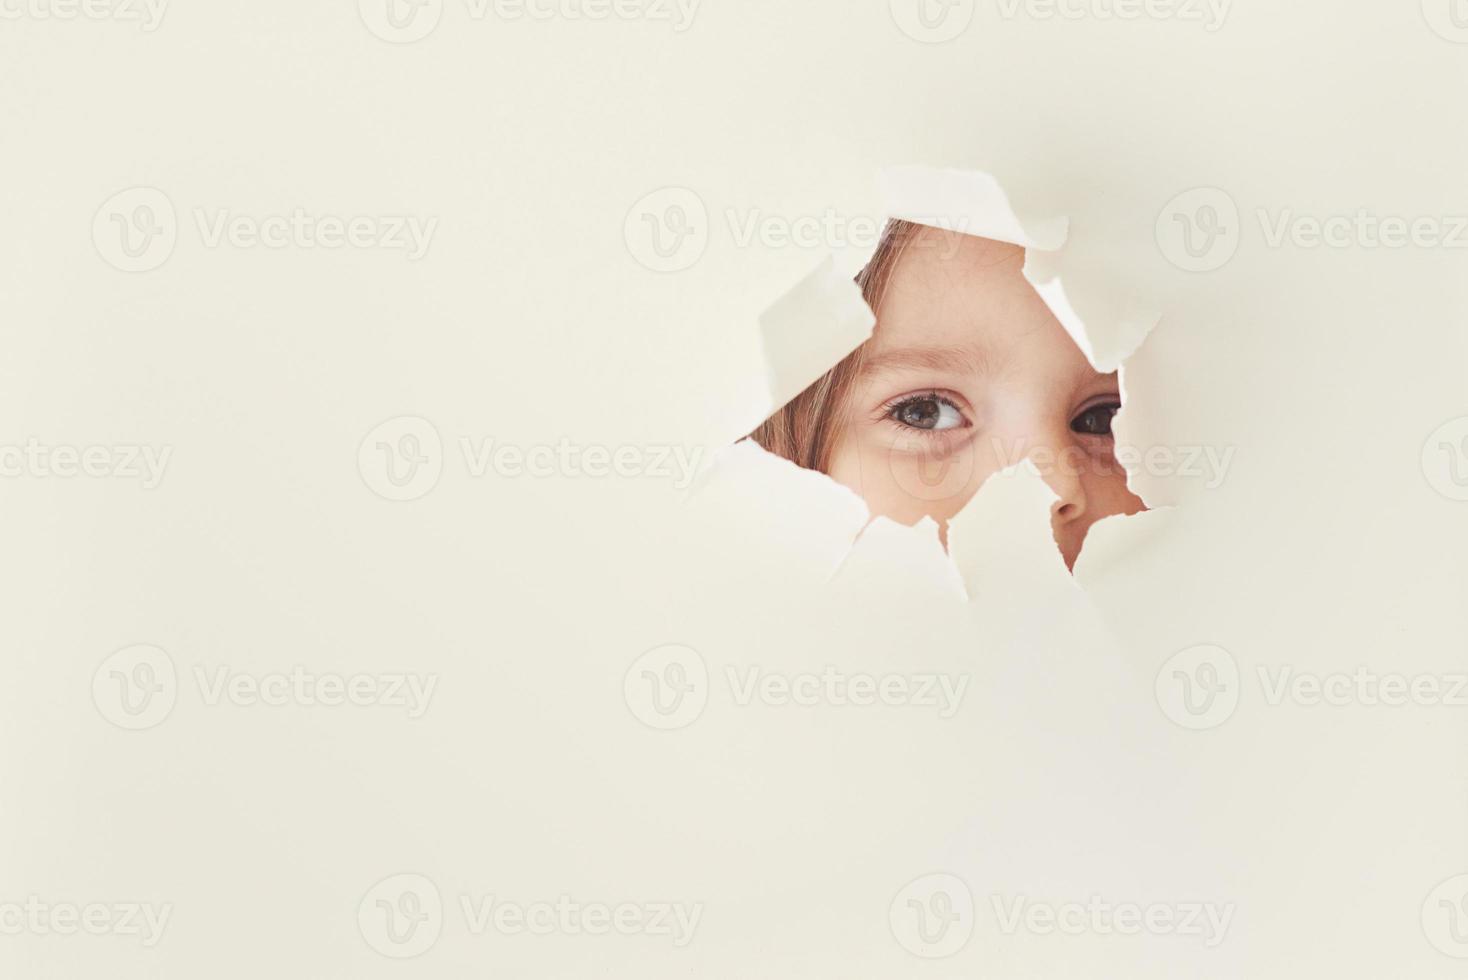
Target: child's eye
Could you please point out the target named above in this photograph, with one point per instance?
(1096, 420)
(930, 412)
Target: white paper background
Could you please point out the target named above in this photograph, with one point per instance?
(1335, 542)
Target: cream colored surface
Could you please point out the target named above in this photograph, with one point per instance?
(333, 657)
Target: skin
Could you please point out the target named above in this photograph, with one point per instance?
(968, 373)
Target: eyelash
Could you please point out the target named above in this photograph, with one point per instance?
(891, 410)
(1112, 403)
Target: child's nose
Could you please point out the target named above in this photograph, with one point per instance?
(1066, 477)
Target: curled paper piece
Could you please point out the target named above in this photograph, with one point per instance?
(1106, 324)
(810, 329)
(1139, 423)
(807, 520)
(1002, 542)
(1112, 540)
(967, 201)
(889, 552)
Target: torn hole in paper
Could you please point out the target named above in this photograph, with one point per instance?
(989, 355)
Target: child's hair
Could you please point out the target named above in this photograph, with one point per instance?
(801, 429)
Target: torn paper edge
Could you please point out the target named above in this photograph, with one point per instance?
(816, 498)
(921, 542)
(970, 202)
(1120, 427)
(806, 332)
(1113, 538)
(1007, 523)
(1125, 325)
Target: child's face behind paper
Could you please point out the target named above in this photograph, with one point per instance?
(967, 373)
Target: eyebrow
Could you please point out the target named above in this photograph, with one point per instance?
(966, 359)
